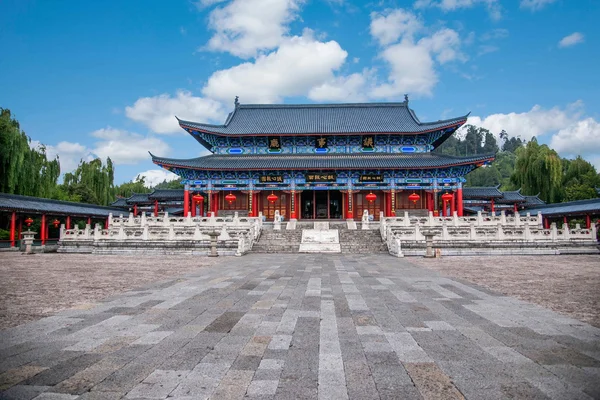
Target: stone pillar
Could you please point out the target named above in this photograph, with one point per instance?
(459, 201)
(68, 223)
(156, 208)
(43, 230)
(293, 214)
(13, 226)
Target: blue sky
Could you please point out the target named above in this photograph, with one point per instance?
(106, 79)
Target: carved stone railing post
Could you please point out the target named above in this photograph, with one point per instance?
(365, 220)
(130, 220)
(143, 220)
(171, 232)
(499, 232)
(430, 220)
(553, 232)
(121, 233)
(97, 232)
(540, 219)
(62, 231)
(145, 232)
(479, 218)
(526, 231)
(566, 232)
(472, 231)
(406, 219)
(455, 218)
(517, 219)
(503, 217)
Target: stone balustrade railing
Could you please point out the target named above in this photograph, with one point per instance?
(243, 230)
(478, 229)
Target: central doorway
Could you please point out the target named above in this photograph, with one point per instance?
(321, 204)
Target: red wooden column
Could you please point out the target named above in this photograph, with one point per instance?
(255, 204)
(186, 202)
(106, 223)
(388, 204)
(452, 205)
(546, 223)
(20, 227)
(350, 208)
(565, 220)
(215, 203)
(43, 229)
(201, 207)
(68, 223)
(89, 221)
(515, 210)
(588, 222)
(459, 202)
(493, 207)
(135, 210)
(13, 226)
(293, 205)
(156, 208)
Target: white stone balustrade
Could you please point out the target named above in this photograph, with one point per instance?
(243, 230)
(479, 229)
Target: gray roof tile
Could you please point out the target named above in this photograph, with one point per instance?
(25, 204)
(166, 194)
(579, 207)
(474, 192)
(313, 161)
(356, 118)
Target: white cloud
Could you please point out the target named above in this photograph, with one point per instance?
(300, 63)
(125, 147)
(153, 177)
(158, 112)
(571, 40)
(343, 88)
(69, 155)
(493, 6)
(535, 122)
(580, 138)
(389, 26)
(444, 44)
(244, 27)
(535, 5)
(411, 71)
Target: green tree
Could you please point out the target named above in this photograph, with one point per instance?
(128, 188)
(538, 169)
(23, 169)
(92, 182)
(174, 184)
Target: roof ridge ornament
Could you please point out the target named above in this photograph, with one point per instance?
(406, 98)
(236, 102)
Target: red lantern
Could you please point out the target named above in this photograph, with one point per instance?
(230, 198)
(56, 223)
(272, 198)
(197, 198)
(414, 198)
(446, 197)
(29, 221)
(371, 197)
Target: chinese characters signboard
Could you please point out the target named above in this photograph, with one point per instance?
(321, 142)
(368, 142)
(274, 143)
(324, 177)
(371, 178)
(271, 179)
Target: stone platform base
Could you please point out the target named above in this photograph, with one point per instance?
(500, 248)
(187, 247)
(320, 240)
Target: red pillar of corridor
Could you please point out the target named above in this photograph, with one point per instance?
(43, 229)
(68, 223)
(388, 204)
(156, 208)
(186, 202)
(588, 222)
(215, 203)
(459, 202)
(13, 226)
(452, 205)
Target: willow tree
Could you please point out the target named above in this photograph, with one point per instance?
(24, 169)
(92, 182)
(538, 169)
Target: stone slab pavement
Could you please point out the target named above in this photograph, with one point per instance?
(304, 326)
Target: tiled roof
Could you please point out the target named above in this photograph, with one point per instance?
(120, 202)
(579, 207)
(25, 204)
(139, 198)
(486, 192)
(166, 194)
(512, 197)
(292, 119)
(313, 161)
(533, 201)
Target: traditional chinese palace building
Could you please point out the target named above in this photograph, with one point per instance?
(323, 161)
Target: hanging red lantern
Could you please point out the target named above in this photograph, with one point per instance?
(29, 221)
(197, 198)
(56, 223)
(272, 198)
(371, 197)
(230, 198)
(446, 197)
(414, 198)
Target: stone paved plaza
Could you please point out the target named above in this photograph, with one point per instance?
(304, 326)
